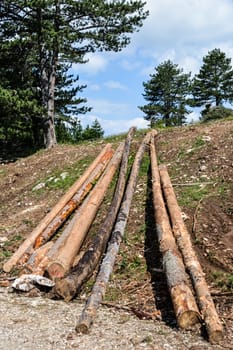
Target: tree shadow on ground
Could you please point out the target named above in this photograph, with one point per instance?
(154, 262)
(11, 151)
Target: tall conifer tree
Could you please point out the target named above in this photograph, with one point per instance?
(57, 32)
(167, 95)
(214, 83)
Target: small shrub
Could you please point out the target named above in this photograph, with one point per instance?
(218, 112)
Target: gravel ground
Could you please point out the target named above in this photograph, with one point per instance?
(38, 323)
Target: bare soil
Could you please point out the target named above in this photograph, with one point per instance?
(137, 311)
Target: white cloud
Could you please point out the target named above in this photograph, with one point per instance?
(112, 84)
(130, 65)
(108, 108)
(183, 31)
(96, 63)
(189, 22)
(94, 87)
(114, 126)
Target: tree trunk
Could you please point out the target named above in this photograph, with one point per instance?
(71, 284)
(62, 260)
(107, 265)
(25, 249)
(183, 300)
(207, 308)
(49, 132)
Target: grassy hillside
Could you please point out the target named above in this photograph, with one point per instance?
(200, 164)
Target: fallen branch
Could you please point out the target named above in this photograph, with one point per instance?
(29, 242)
(184, 303)
(206, 305)
(141, 314)
(106, 268)
(193, 183)
(69, 286)
(61, 261)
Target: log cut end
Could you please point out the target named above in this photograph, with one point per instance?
(215, 336)
(185, 306)
(65, 288)
(55, 270)
(82, 327)
(7, 267)
(188, 319)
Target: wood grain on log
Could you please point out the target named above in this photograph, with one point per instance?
(183, 300)
(29, 242)
(61, 262)
(69, 286)
(99, 288)
(205, 301)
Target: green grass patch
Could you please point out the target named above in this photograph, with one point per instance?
(222, 280)
(199, 142)
(191, 195)
(65, 177)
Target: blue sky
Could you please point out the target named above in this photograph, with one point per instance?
(180, 30)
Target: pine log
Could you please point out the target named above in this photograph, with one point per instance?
(29, 242)
(74, 202)
(65, 212)
(205, 301)
(99, 288)
(63, 258)
(69, 286)
(184, 303)
(40, 268)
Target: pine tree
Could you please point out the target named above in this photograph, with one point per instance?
(97, 131)
(167, 93)
(58, 32)
(214, 83)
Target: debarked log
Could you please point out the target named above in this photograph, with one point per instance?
(65, 212)
(69, 286)
(29, 242)
(74, 202)
(88, 315)
(61, 262)
(205, 301)
(184, 303)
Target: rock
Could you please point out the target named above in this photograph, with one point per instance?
(27, 282)
(64, 175)
(206, 138)
(203, 168)
(39, 186)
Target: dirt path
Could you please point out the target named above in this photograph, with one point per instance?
(38, 323)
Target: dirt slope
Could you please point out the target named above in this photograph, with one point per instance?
(200, 163)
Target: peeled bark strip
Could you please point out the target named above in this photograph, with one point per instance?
(69, 286)
(62, 260)
(74, 202)
(106, 268)
(206, 305)
(29, 242)
(183, 300)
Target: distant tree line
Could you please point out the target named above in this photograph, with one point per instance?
(73, 131)
(169, 91)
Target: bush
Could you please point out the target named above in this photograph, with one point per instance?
(217, 112)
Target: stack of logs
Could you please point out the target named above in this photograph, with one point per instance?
(40, 253)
